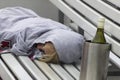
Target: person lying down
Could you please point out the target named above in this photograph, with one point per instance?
(39, 38)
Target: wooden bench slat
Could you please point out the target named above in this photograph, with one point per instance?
(5, 73)
(16, 68)
(105, 9)
(72, 70)
(47, 70)
(31, 67)
(62, 72)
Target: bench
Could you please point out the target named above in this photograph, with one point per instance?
(83, 15)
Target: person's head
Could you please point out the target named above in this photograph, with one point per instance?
(50, 54)
(65, 43)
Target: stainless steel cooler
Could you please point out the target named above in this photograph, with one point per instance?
(94, 64)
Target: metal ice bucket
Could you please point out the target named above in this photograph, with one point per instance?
(94, 64)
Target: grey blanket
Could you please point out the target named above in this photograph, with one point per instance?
(24, 28)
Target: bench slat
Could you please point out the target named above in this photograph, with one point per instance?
(105, 9)
(72, 70)
(115, 59)
(62, 72)
(5, 73)
(47, 70)
(31, 67)
(115, 2)
(16, 68)
(74, 16)
(78, 66)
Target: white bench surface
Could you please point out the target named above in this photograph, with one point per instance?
(23, 68)
(4, 72)
(16, 68)
(31, 67)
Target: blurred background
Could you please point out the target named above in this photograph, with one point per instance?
(42, 7)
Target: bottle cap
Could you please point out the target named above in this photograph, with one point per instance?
(101, 22)
(101, 19)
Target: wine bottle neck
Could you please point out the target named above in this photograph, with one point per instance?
(101, 23)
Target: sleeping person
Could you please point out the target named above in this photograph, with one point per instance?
(39, 38)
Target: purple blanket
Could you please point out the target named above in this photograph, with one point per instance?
(24, 28)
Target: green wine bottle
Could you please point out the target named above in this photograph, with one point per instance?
(99, 36)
